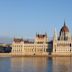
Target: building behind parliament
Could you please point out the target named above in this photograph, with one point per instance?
(60, 45)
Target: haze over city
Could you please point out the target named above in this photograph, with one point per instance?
(25, 18)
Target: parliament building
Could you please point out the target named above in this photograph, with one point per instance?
(60, 44)
(37, 46)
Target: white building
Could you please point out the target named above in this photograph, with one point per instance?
(62, 45)
(38, 46)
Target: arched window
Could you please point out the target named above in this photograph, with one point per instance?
(70, 44)
(70, 50)
(55, 49)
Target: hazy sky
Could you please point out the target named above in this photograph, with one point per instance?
(23, 18)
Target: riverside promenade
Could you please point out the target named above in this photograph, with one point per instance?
(17, 55)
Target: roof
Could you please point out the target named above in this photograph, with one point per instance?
(64, 28)
(41, 35)
(29, 41)
(18, 40)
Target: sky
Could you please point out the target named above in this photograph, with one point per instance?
(25, 18)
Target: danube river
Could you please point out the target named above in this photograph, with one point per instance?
(35, 64)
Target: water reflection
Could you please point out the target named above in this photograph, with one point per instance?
(36, 64)
(62, 64)
(29, 64)
(50, 64)
(5, 64)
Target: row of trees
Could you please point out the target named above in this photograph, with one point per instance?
(5, 49)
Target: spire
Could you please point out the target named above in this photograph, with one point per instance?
(64, 23)
(55, 34)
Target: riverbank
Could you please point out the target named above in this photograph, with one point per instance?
(12, 55)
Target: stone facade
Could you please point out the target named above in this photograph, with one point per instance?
(38, 46)
(62, 45)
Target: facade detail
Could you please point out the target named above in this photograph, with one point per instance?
(62, 45)
(38, 46)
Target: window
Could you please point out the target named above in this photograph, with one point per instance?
(55, 50)
(70, 44)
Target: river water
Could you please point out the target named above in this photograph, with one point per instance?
(35, 64)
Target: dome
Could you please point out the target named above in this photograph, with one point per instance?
(64, 28)
(64, 33)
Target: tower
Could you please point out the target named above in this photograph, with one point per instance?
(64, 33)
(55, 35)
(54, 41)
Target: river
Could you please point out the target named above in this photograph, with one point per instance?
(35, 64)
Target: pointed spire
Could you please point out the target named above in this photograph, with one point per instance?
(64, 23)
(55, 34)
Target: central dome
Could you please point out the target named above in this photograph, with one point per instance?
(64, 28)
(64, 33)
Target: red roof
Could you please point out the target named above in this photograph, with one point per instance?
(64, 28)
(41, 35)
(18, 40)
